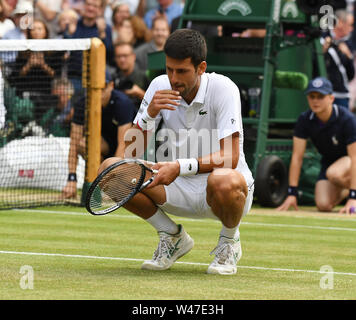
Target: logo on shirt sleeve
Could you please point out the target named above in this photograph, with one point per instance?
(144, 103)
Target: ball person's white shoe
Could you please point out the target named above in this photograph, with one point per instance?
(227, 253)
(170, 248)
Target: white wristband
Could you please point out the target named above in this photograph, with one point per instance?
(188, 167)
(146, 122)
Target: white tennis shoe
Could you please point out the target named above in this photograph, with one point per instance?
(170, 248)
(227, 253)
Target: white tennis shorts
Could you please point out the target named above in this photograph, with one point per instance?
(186, 197)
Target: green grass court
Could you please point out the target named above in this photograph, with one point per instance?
(74, 255)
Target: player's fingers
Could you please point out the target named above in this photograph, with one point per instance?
(167, 100)
(167, 107)
(171, 95)
(167, 97)
(342, 210)
(282, 207)
(156, 166)
(154, 183)
(168, 91)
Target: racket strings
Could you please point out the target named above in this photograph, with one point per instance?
(116, 186)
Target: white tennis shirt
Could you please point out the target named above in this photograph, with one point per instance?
(194, 130)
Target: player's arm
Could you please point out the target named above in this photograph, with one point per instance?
(226, 157)
(136, 140)
(351, 151)
(121, 131)
(76, 134)
(299, 146)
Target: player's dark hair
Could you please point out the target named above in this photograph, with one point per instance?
(186, 43)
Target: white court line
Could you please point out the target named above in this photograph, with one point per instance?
(179, 262)
(196, 220)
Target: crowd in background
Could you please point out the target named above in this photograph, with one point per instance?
(130, 30)
(42, 93)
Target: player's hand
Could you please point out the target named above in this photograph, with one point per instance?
(167, 173)
(290, 201)
(349, 208)
(163, 99)
(70, 190)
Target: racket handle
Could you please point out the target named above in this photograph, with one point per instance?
(144, 185)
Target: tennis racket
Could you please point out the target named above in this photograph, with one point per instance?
(116, 185)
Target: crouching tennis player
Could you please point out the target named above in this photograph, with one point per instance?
(207, 175)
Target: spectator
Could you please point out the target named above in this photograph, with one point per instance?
(125, 32)
(332, 129)
(339, 58)
(67, 23)
(22, 17)
(76, 5)
(34, 70)
(166, 8)
(121, 12)
(160, 33)
(56, 120)
(39, 30)
(127, 76)
(90, 24)
(117, 115)
(6, 24)
(141, 33)
(132, 7)
(132, 31)
(48, 10)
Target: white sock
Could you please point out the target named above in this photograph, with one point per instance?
(161, 222)
(233, 233)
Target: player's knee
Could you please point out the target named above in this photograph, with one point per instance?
(224, 184)
(330, 174)
(324, 205)
(333, 175)
(107, 163)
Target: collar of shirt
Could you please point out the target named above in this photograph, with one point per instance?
(334, 116)
(200, 96)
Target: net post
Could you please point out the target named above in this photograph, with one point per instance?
(95, 84)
